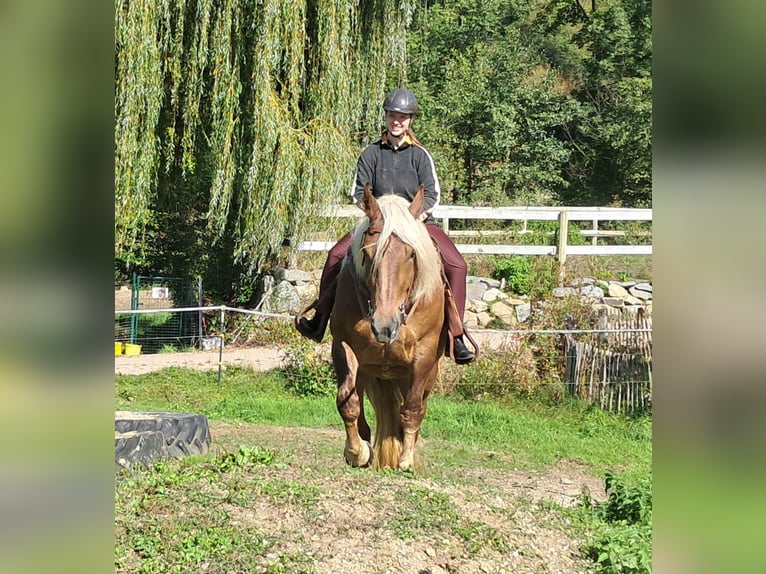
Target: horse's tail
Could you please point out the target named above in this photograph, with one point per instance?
(386, 398)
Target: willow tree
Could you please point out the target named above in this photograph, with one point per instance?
(264, 101)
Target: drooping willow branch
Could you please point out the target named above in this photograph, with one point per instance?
(272, 97)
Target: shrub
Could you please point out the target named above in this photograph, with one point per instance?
(622, 527)
(499, 374)
(308, 372)
(516, 270)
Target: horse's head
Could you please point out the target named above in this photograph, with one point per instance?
(396, 258)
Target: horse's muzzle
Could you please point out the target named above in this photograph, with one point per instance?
(385, 331)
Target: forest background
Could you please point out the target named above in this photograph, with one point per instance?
(236, 120)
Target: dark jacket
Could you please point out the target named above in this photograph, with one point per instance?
(397, 171)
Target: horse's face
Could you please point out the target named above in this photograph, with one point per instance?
(390, 268)
(390, 272)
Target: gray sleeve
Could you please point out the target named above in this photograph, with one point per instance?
(365, 171)
(427, 176)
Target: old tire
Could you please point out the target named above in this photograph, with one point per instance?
(145, 437)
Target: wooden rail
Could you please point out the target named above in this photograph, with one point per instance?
(563, 215)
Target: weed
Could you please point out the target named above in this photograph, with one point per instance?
(264, 331)
(308, 373)
(516, 270)
(291, 491)
(245, 457)
(621, 526)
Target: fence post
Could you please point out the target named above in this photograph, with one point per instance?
(562, 247)
(220, 347)
(199, 313)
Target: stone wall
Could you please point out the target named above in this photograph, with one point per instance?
(289, 291)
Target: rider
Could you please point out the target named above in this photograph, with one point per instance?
(396, 164)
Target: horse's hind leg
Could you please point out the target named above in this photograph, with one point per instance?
(358, 451)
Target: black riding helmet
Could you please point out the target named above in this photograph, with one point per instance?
(401, 100)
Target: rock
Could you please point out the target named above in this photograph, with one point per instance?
(475, 289)
(502, 311)
(483, 319)
(560, 292)
(592, 291)
(616, 290)
(523, 312)
(493, 294)
(306, 292)
(295, 276)
(614, 301)
(283, 299)
(640, 293)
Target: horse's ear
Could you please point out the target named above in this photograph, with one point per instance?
(416, 207)
(370, 204)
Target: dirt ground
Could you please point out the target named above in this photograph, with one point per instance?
(353, 527)
(263, 358)
(351, 530)
(257, 358)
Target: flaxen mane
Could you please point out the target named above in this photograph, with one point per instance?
(398, 220)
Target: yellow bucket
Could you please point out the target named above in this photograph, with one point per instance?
(119, 349)
(132, 350)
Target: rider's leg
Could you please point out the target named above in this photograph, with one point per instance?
(314, 328)
(455, 270)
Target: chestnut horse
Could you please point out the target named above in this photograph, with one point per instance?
(388, 330)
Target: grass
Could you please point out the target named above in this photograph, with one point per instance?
(200, 513)
(180, 517)
(536, 436)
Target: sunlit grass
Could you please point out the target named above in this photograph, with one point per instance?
(533, 435)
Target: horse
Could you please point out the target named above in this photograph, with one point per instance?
(388, 331)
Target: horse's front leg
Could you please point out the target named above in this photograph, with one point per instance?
(358, 451)
(414, 410)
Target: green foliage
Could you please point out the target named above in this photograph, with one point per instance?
(153, 536)
(491, 112)
(516, 270)
(245, 457)
(605, 54)
(235, 121)
(534, 276)
(622, 526)
(500, 375)
(308, 372)
(534, 103)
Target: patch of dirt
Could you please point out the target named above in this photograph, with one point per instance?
(258, 358)
(498, 520)
(262, 358)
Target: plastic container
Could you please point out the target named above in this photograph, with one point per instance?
(132, 350)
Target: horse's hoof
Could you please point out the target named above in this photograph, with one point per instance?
(363, 460)
(405, 464)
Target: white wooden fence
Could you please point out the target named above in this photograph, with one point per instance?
(563, 215)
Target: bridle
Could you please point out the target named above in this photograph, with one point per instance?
(370, 311)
